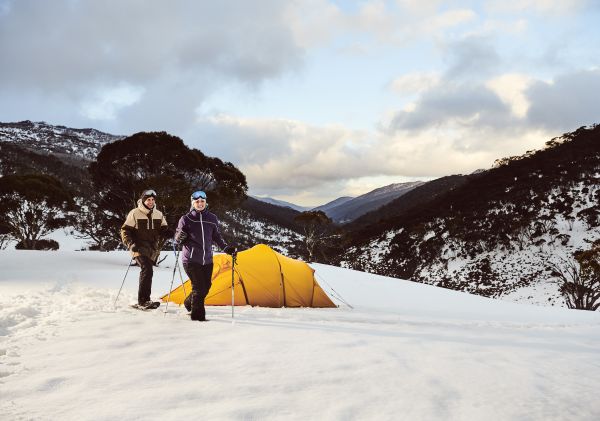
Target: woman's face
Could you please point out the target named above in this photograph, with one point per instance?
(199, 204)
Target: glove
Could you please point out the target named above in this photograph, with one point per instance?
(180, 237)
(231, 250)
(134, 248)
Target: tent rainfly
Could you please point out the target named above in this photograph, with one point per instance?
(263, 278)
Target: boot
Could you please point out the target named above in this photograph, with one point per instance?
(197, 305)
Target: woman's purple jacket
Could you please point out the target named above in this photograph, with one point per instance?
(202, 228)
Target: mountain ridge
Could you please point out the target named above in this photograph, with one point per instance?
(498, 231)
(58, 140)
(282, 203)
(351, 209)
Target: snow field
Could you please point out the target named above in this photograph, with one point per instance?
(406, 351)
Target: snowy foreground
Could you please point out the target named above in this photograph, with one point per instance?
(405, 352)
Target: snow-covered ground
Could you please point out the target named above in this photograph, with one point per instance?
(405, 351)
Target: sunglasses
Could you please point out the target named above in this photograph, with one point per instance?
(150, 193)
(198, 195)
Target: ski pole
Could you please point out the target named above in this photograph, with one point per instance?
(179, 270)
(181, 278)
(233, 258)
(123, 283)
(172, 279)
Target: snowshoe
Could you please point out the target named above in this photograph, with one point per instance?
(148, 305)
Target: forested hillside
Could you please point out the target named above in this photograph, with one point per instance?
(499, 229)
(17, 159)
(103, 175)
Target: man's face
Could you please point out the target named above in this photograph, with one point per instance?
(149, 202)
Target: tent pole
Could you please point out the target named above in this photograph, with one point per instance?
(233, 258)
(123, 283)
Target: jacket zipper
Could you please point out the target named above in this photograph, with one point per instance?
(203, 245)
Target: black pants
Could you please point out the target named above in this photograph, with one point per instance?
(201, 277)
(145, 288)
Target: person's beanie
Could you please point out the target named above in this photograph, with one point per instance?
(146, 194)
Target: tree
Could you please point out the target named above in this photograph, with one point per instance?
(157, 160)
(31, 207)
(43, 244)
(315, 226)
(579, 279)
(5, 237)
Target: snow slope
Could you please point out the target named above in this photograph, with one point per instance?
(405, 351)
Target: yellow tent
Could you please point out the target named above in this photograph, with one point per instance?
(263, 278)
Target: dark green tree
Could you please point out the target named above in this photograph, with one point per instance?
(157, 160)
(31, 207)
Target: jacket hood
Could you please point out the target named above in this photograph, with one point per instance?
(143, 207)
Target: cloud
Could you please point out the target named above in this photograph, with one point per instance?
(471, 56)
(449, 103)
(420, 7)
(569, 101)
(472, 93)
(511, 89)
(75, 49)
(414, 83)
(466, 93)
(314, 22)
(549, 7)
(457, 127)
(309, 164)
(451, 149)
(449, 19)
(284, 154)
(138, 41)
(317, 23)
(105, 103)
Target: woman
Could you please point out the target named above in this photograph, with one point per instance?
(196, 231)
(143, 233)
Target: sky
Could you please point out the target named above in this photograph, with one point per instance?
(311, 99)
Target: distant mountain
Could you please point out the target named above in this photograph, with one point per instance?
(334, 203)
(57, 140)
(282, 203)
(418, 197)
(348, 210)
(493, 232)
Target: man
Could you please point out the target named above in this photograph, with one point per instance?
(143, 233)
(196, 231)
